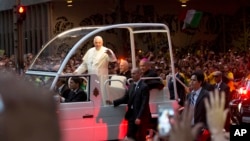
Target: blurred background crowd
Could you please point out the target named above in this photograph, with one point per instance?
(232, 64)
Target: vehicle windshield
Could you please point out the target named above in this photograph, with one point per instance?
(55, 51)
(40, 80)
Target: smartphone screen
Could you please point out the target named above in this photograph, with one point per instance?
(165, 113)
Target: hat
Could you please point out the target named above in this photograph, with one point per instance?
(217, 73)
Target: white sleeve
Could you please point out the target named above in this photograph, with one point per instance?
(83, 67)
(112, 57)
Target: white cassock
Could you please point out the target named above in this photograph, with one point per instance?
(96, 62)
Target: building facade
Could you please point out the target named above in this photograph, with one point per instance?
(223, 28)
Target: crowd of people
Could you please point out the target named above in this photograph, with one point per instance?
(35, 101)
(8, 63)
(205, 80)
(237, 64)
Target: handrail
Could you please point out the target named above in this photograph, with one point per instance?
(145, 78)
(183, 84)
(107, 82)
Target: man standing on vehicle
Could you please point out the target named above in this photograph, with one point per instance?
(147, 71)
(124, 69)
(96, 61)
(138, 113)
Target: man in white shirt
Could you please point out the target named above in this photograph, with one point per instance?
(96, 61)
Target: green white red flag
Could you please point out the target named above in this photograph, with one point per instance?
(191, 18)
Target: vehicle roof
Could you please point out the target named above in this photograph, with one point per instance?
(88, 32)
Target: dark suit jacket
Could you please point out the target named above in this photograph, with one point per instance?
(153, 83)
(77, 96)
(64, 92)
(200, 110)
(180, 89)
(224, 87)
(208, 86)
(126, 74)
(139, 100)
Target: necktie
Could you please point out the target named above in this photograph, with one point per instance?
(133, 89)
(192, 98)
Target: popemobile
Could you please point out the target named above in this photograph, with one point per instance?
(93, 119)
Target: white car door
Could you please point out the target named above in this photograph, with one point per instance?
(77, 121)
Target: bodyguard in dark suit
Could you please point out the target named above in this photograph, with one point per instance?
(138, 113)
(223, 87)
(197, 96)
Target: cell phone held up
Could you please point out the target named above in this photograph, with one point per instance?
(165, 115)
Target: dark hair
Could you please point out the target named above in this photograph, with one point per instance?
(199, 75)
(63, 80)
(77, 80)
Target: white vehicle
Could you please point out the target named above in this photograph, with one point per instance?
(93, 120)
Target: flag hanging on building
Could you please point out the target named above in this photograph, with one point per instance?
(191, 18)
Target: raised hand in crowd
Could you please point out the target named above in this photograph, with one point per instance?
(216, 116)
(181, 127)
(28, 113)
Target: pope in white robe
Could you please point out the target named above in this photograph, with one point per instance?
(96, 61)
